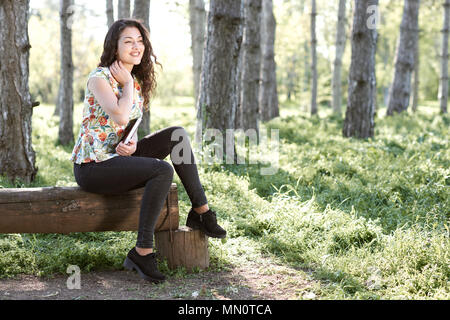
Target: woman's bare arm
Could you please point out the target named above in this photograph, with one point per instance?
(118, 109)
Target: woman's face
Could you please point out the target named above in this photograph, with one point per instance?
(131, 46)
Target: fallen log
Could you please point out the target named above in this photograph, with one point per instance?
(70, 209)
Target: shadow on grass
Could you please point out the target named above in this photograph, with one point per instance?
(399, 199)
(372, 205)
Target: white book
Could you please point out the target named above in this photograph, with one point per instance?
(133, 130)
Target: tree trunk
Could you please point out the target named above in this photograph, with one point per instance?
(17, 157)
(197, 17)
(443, 83)
(268, 94)
(65, 98)
(306, 73)
(218, 94)
(305, 79)
(314, 59)
(404, 60)
(109, 12)
(416, 79)
(359, 117)
(142, 12)
(238, 112)
(251, 65)
(292, 76)
(341, 39)
(124, 9)
(384, 50)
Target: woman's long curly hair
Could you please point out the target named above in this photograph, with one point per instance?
(145, 71)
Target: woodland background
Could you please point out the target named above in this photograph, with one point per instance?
(355, 218)
(291, 47)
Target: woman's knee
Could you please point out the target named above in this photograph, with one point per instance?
(177, 133)
(166, 170)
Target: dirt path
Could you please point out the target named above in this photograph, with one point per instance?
(252, 281)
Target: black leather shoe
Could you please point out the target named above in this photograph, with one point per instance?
(206, 222)
(145, 265)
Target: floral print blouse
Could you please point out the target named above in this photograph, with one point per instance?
(99, 133)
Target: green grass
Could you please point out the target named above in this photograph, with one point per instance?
(369, 218)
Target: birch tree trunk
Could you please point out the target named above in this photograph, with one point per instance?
(124, 10)
(416, 79)
(65, 98)
(142, 12)
(306, 73)
(341, 40)
(251, 65)
(359, 116)
(313, 59)
(17, 157)
(268, 94)
(218, 94)
(238, 113)
(443, 82)
(400, 91)
(305, 79)
(292, 76)
(109, 12)
(197, 17)
(384, 49)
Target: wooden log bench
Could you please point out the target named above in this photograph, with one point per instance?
(70, 209)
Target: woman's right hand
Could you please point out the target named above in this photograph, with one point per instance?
(120, 73)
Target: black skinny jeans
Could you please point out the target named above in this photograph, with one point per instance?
(146, 168)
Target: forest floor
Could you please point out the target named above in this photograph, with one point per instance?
(340, 219)
(264, 280)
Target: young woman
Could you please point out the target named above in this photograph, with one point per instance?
(116, 92)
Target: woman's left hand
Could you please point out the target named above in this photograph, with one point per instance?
(126, 149)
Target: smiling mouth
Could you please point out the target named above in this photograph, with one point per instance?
(136, 55)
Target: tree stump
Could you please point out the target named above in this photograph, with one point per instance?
(183, 247)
